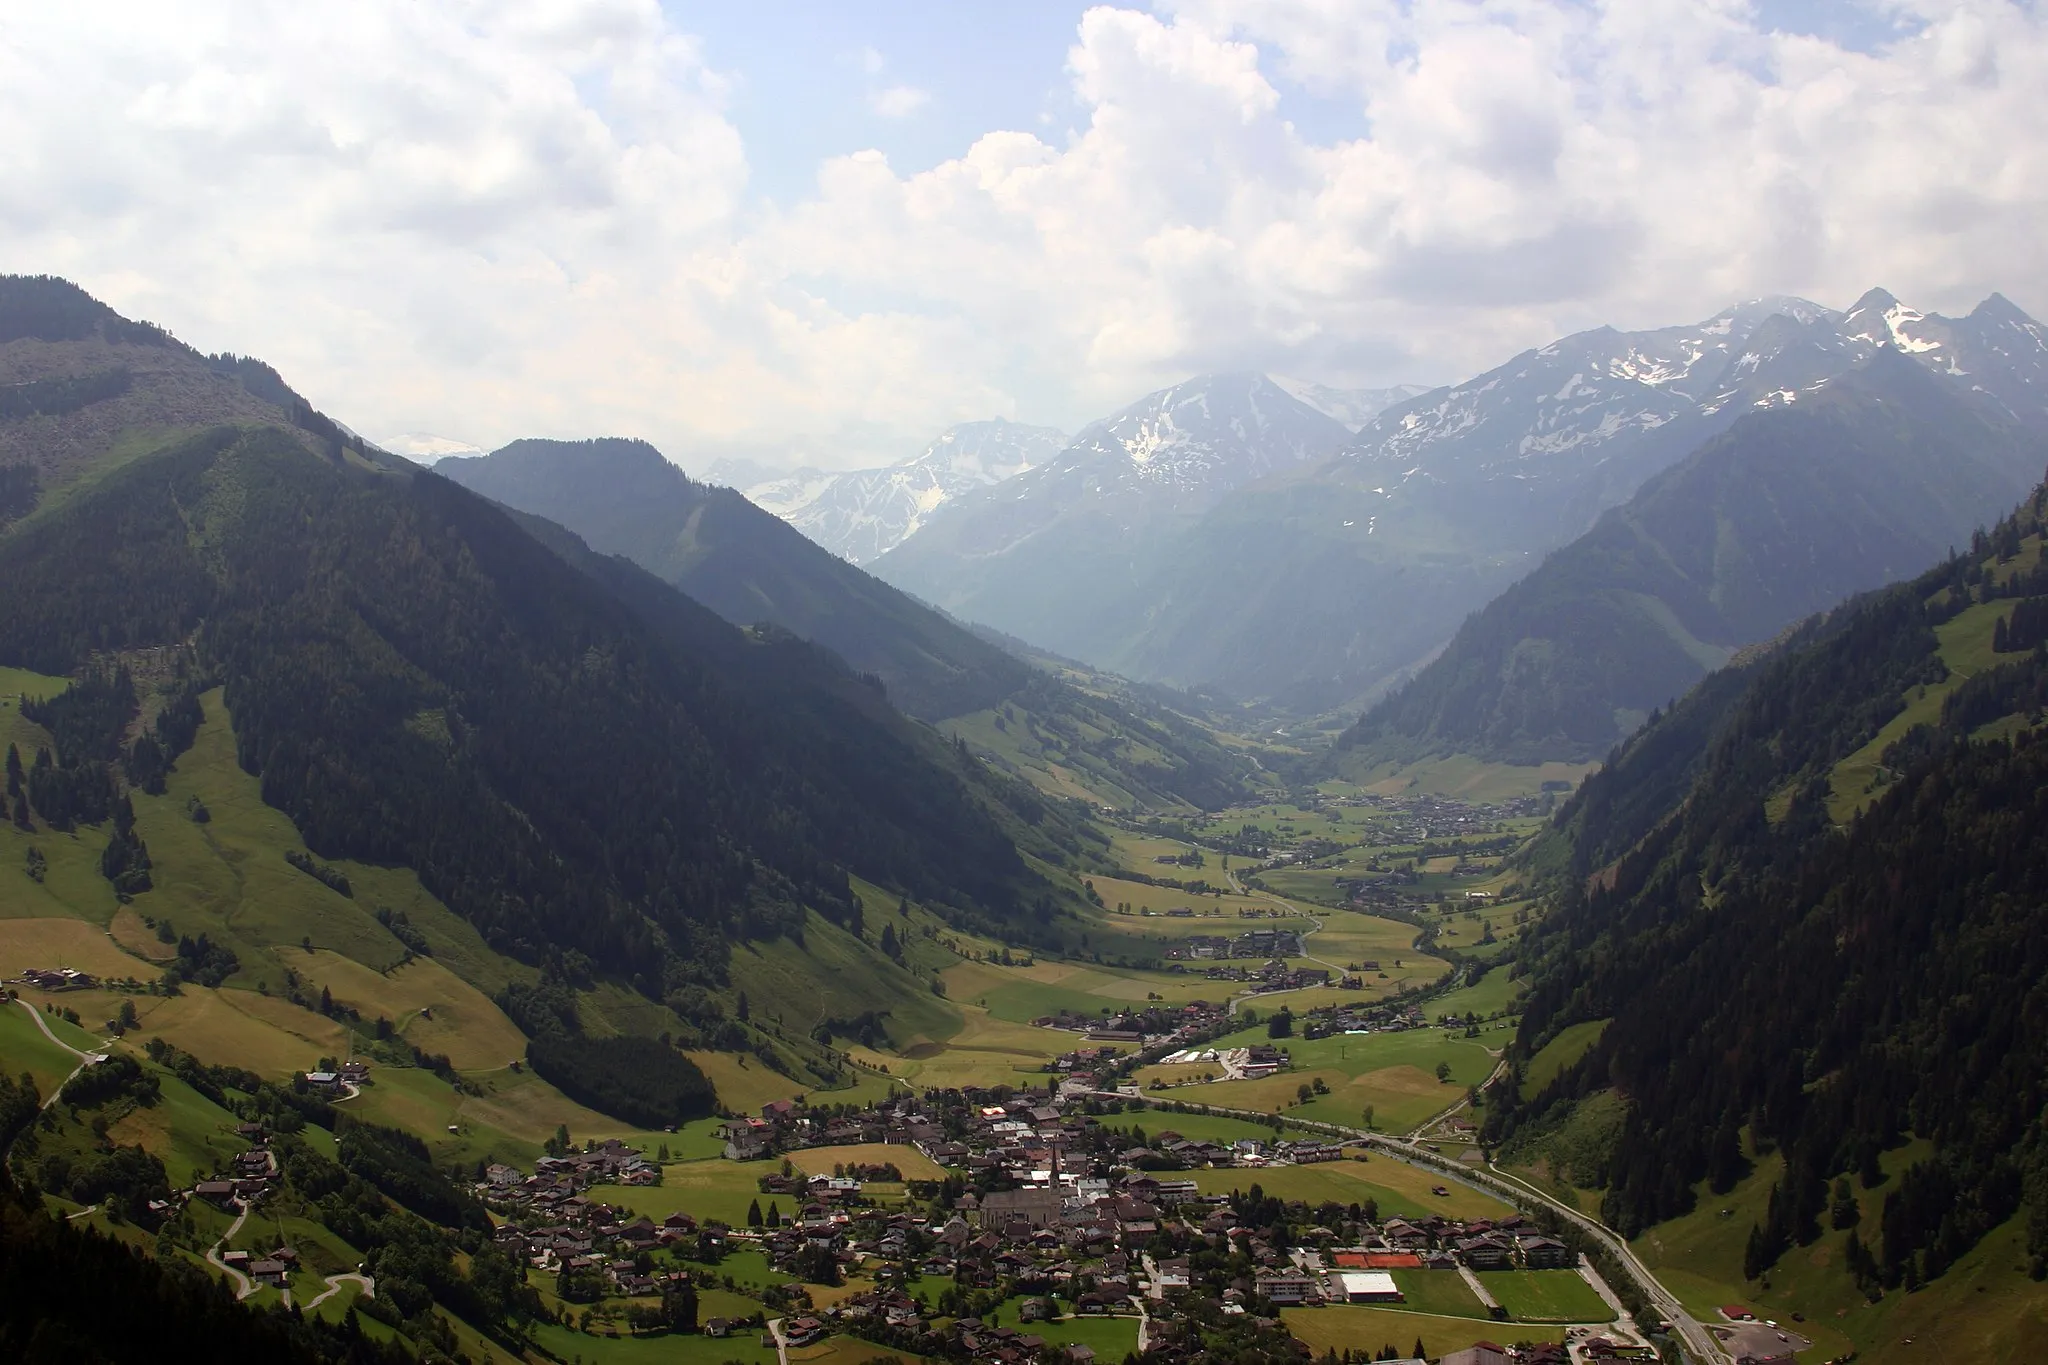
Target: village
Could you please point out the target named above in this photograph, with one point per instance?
(1045, 1205)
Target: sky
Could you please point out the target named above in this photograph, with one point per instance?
(819, 233)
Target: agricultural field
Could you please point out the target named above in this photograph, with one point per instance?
(190, 1133)
(1545, 1296)
(428, 1005)
(1399, 1188)
(1365, 1327)
(914, 1164)
(1202, 1127)
(986, 1051)
(1394, 1073)
(1494, 994)
(714, 1188)
(1985, 1296)
(1048, 986)
(24, 1048)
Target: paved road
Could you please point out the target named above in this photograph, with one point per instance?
(244, 1287)
(1699, 1343)
(1700, 1346)
(781, 1346)
(85, 1059)
(334, 1284)
(1253, 993)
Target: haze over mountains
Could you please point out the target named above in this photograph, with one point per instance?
(862, 514)
(1225, 534)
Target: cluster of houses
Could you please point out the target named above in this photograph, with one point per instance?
(1276, 975)
(341, 1081)
(1385, 1017)
(1253, 943)
(57, 979)
(553, 1226)
(250, 1174)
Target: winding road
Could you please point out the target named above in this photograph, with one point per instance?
(1699, 1345)
(334, 1284)
(244, 1286)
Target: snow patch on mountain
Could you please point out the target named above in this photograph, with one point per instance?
(425, 448)
(862, 514)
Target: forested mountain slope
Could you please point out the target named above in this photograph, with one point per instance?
(1791, 510)
(1810, 900)
(83, 388)
(745, 564)
(749, 566)
(419, 681)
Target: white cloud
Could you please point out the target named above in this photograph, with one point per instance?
(899, 101)
(510, 217)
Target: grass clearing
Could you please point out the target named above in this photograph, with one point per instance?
(1438, 1291)
(429, 1006)
(1553, 1057)
(914, 1164)
(1545, 1296)
(1965, 646)
(1399, 1189)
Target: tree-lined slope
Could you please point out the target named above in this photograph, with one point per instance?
(1784, 985)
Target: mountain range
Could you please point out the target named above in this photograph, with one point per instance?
(1065, 555)
(1223, 534)
(1797, 506)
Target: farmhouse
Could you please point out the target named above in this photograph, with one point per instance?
(59, 979)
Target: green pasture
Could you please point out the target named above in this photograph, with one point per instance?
(1545, 1296)
(1567, 1047)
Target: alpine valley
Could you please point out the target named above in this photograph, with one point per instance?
(1046, 901)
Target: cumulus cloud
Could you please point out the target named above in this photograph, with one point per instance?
(509, 217)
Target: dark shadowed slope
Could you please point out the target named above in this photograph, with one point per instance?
(745, 564)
